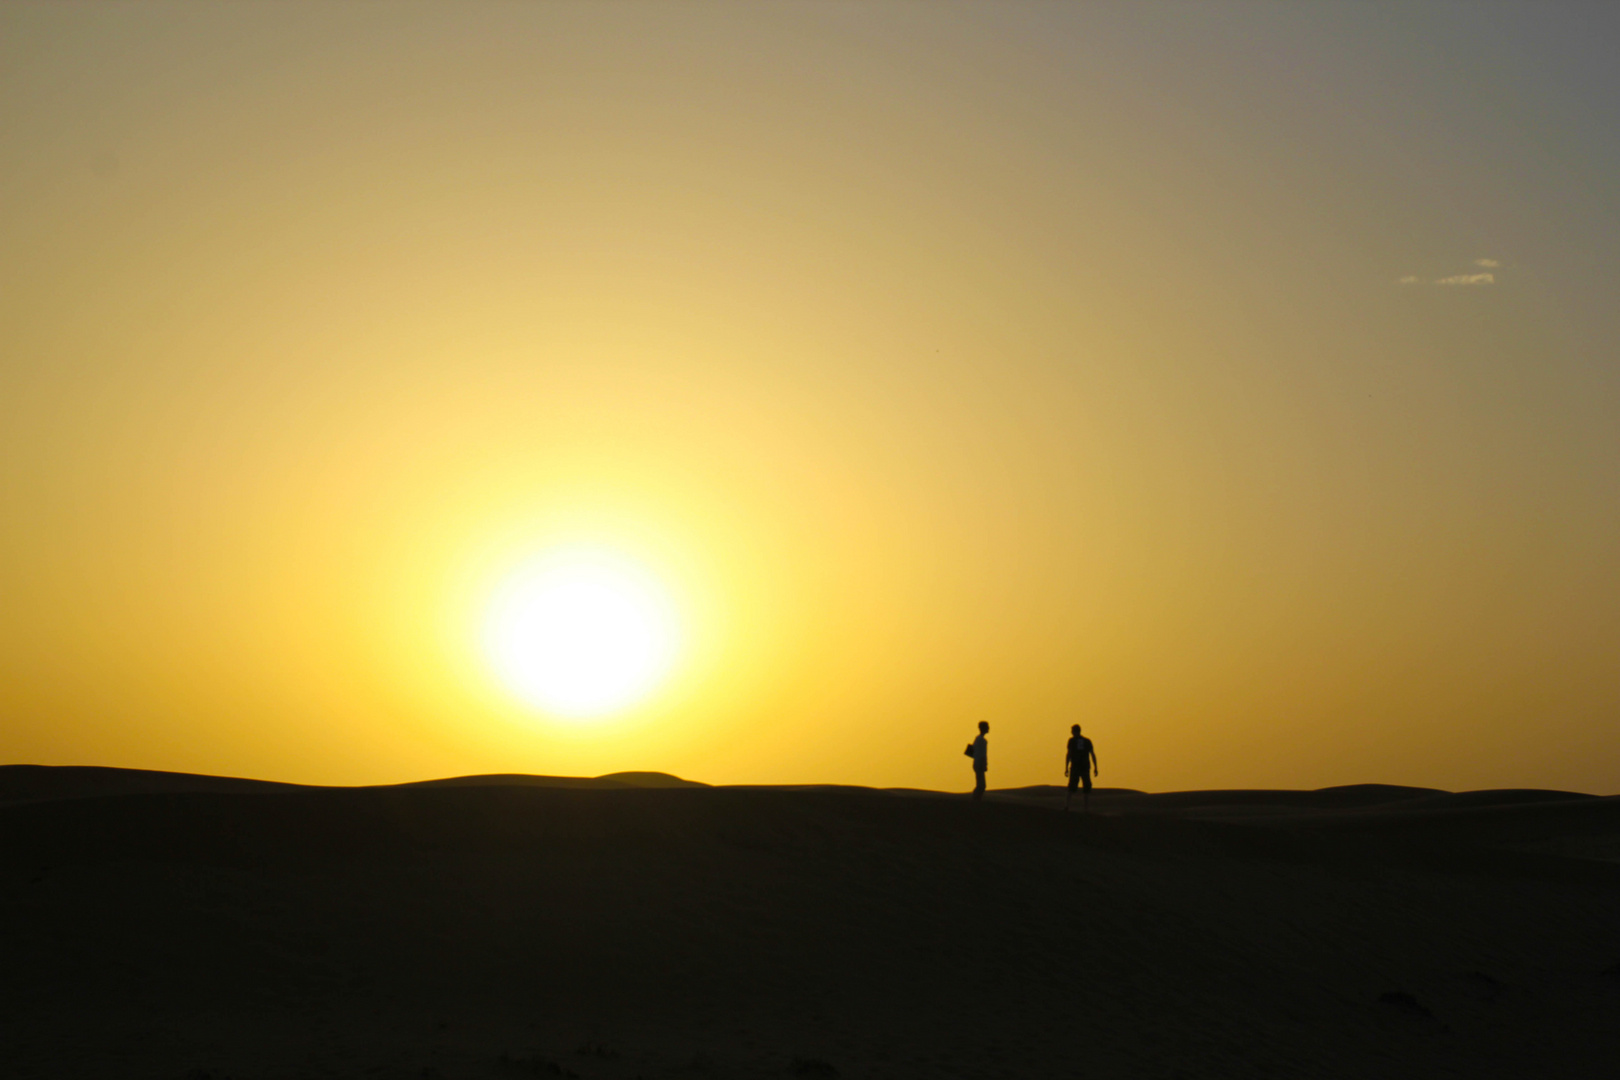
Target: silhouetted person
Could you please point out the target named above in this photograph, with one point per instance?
(1078, 765)
(979, 751)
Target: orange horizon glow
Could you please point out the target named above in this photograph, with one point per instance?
(1235, 381)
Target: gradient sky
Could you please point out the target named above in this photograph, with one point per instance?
(1239, 380)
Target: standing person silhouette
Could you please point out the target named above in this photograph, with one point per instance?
(979, 751)
(1079, 763)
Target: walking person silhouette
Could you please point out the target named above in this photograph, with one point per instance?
(1079, 762)
(979, 751)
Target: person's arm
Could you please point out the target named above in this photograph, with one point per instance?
(1096, 770)
(1066, 757)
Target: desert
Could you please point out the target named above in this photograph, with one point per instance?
(887, 540)
(165, 925)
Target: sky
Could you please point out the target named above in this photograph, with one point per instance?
(1237, 380)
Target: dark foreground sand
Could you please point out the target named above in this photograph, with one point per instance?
(159, 926)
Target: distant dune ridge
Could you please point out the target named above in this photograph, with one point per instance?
(31, 783)
(162, 924)
(611, 780)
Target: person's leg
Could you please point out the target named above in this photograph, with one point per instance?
(978, 783)
(1085, 799)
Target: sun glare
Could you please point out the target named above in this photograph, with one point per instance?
(582, 633)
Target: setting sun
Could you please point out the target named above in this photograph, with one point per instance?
(581, 633)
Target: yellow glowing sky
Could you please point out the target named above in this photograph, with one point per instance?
(1034, 364)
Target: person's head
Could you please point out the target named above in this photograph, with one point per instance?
(984, 727)
(1075, 729)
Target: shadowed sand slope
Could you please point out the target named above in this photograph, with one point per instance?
(511, 929)
(28, 783)
(33, 783)
(1448, 824)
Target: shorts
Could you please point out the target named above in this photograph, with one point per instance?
(1078, 777)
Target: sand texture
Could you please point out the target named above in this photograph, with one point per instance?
(189, 927)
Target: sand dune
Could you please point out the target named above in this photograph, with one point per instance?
(30, 783)
(174, 926)
(611, 780)
(36, 783)
(1512, 817)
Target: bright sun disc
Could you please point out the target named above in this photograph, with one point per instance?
(581, 634)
